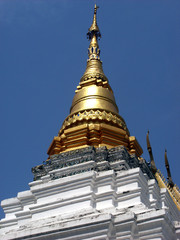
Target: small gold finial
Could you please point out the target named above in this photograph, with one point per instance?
(95, 8)
(94, 18)
(94, 29)
(153, 166)
(169, 178)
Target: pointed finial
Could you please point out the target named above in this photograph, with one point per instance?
(169, 178)
(93, 35)
(153, 166)
(95, 8)
(94, 29)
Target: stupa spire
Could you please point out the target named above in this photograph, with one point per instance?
(94, 65)
(94, 118)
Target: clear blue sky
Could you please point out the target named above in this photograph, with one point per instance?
(43, 52)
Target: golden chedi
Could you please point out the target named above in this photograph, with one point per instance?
(94, 118)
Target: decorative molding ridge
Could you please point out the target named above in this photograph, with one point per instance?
(88, 76)
(94, 115)
(87, 159)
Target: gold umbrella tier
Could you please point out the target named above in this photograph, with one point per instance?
(94, 97)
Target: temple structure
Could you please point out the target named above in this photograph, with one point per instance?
(95, 184)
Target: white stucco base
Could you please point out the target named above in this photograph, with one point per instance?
(92, 205)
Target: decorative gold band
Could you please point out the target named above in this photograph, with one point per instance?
(94, 115)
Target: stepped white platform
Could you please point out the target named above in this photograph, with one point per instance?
(91, 194)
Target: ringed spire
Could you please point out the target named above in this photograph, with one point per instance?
(94, 64)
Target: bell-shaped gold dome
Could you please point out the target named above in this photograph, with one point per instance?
(94, 118)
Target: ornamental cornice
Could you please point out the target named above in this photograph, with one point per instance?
(88, 76)
(100, 115)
